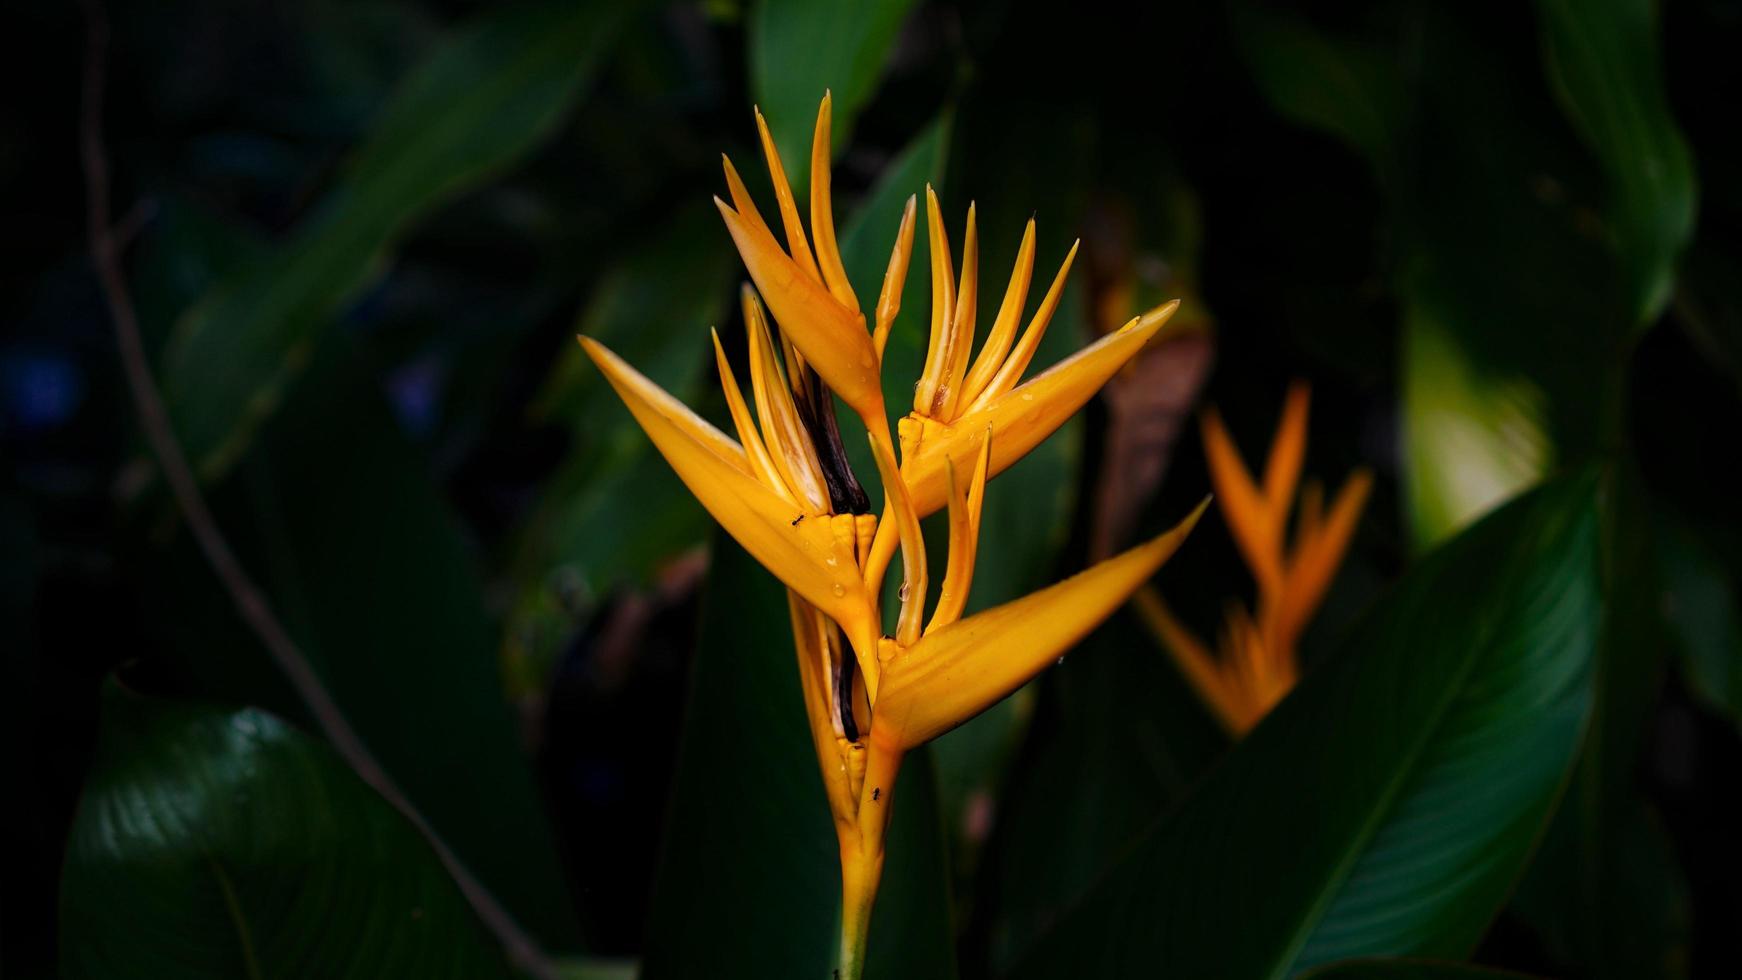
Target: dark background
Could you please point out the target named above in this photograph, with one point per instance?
(438, 504)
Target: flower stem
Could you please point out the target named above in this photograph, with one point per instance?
(860, 874)
(862, 852)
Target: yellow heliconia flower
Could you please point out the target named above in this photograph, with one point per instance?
(1256, 666)
(784, 491)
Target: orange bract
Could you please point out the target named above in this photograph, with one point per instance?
(1256, 664)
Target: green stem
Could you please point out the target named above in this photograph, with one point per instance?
(860, 874)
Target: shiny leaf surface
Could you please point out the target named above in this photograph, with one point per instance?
(1387, 805)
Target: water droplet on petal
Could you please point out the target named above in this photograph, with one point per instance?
(1028, 396)
(840, 589)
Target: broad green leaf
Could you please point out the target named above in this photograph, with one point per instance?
(749, 885)
(218, 843)
(799, 49)
(1387, 806)
(1402, 969)
(345, 529)
(1603, 60)
(1604, 892)
(480, 102)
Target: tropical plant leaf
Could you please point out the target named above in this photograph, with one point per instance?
(481, 101)
(1388, 804)
(1117, 738)
(1475, 437)
(798, 50)
(216, 843)
(1603, 60)
(614, 512)
(750, 885)
(1604, 892)
(1705, 615)
(1402, 969)
(341, 521)
(1502, 382)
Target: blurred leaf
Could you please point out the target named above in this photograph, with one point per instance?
(1117, 738)
(614, 512)
(1471, 440)
(214, 843)
(1401, 969)
(1514, 341)
(598, 969)
(480, 102)
(1604, 892)
(866, 241)
(1701, 606)
(671, 287)
(1342, 87)
(799, 49)
(1388, 804)
(1603, 60)
(347, 532)
(750, 883)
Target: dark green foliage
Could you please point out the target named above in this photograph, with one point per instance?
(213, 843)
(1388, 805)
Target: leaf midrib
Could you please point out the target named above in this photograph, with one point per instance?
(1358, 843)
(233, 907)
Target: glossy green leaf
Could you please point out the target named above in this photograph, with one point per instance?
(1403, 969)
(1604, 892)
(1387, 806)
(750, 885)
(1603, 60)
(480, 102)
(346, 530)
(215, 843)
(799, 49)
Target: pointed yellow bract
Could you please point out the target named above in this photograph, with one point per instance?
(804, 554)
(953, 674)
(1256, 666)
(785, 492)
(1023, 418)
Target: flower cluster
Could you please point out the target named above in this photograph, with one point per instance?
(784, 490)
(1256, 665)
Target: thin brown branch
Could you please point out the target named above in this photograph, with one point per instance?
(250, 602)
